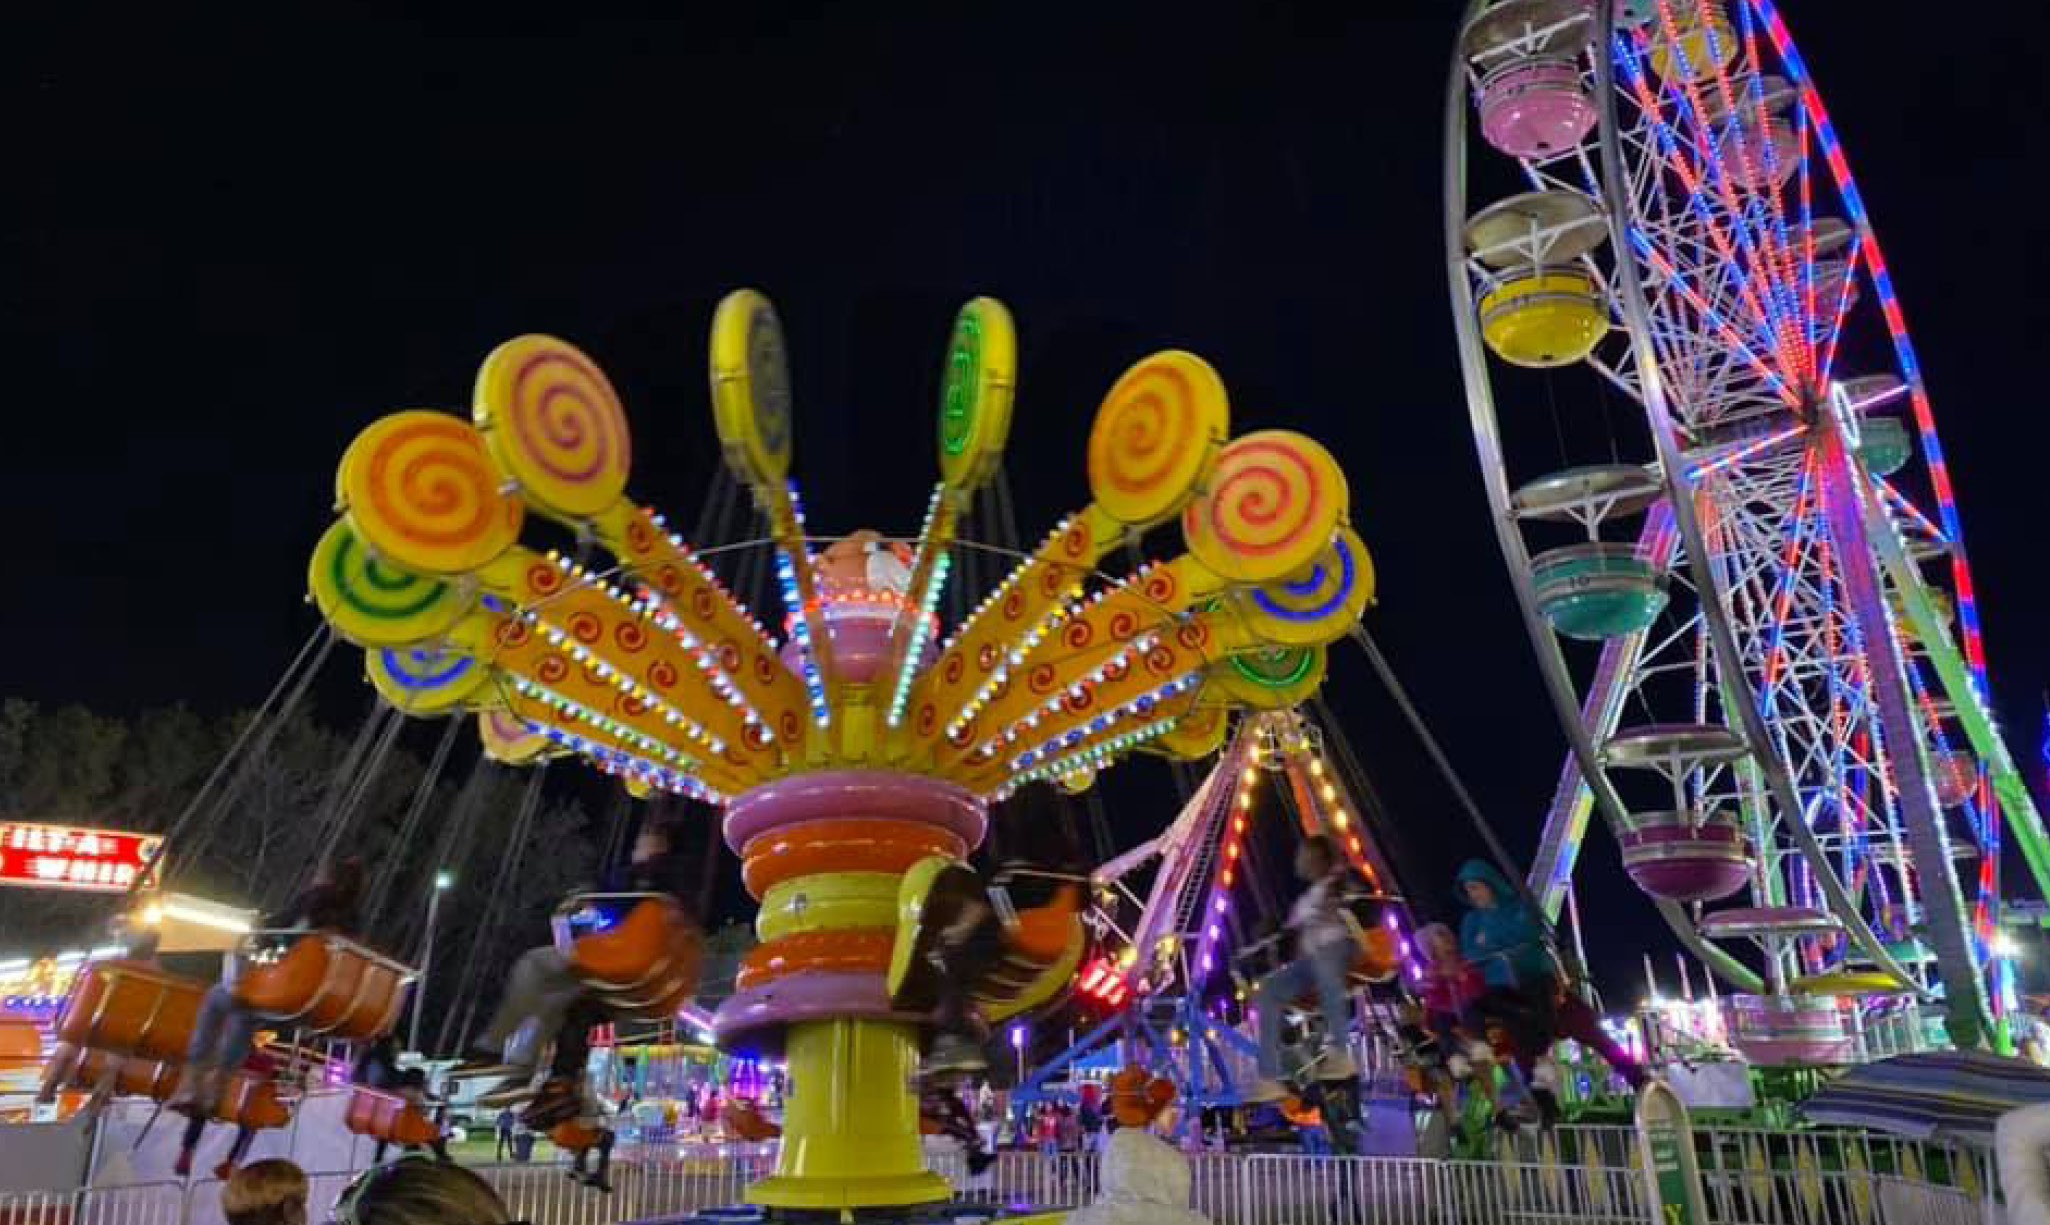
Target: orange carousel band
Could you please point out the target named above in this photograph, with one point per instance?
(858, 949)
(842, 845)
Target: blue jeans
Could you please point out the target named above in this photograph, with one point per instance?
(222, 1033)
(1325, 970)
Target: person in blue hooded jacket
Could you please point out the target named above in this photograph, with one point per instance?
(1503, 939)
(1500, 936)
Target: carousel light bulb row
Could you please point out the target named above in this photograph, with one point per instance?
(800, 630)
(1114, 666)
(1089, 758)
(624, 681)
(605, 723)
(616, 761)
(1138, 707)
(923, 604)
(1015, 655)
(689, 557)
(1059, 617)
(707, 658)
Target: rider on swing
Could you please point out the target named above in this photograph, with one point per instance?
(1326, 946)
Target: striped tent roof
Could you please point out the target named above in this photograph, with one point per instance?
(1954, 1095)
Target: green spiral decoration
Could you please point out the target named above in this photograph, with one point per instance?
(373, 604)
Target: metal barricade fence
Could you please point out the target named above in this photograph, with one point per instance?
(1735, 1150)
(1230, 1189)
(141, 1204)
(1288, 1190)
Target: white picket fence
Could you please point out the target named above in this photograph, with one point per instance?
(1230, 1189)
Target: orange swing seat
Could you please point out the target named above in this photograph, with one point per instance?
(251, 1101)
(644, 966)
(389, 1117)
(1042, 945)
(132, 1011)
(574, 1137)
(131, 1077)
(1034, 945)
(322, 983)
(744, 1121)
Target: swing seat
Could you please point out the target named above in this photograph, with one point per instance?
(1042, 946)
(131, 1077)
(322, 983)
(744, 1121)
(1380, 956)
(574, 1137)
(389, 1117)
(646, 964)
(1042, 952)
(133, 1011)
(252, 1102)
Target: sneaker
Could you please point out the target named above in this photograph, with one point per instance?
(1548, 1107)
(953, 1054)
(980, 1160)
(1264, 1091)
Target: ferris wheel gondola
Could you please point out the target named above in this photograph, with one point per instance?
(1745, 632)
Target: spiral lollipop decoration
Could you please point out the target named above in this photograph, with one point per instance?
(751, 388)
(1156, 437)
(554, 424)
(1271, 679)
(975, 394)
(1271, 507)
(1318, 605)
(419, 489)
(424, 680)
(373, 604)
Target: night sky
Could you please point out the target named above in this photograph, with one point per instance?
(229, 248)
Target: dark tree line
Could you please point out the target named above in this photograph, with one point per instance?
(261, 832)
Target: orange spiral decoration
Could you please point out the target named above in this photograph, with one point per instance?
(1155, 437)
(420, 491)
(1272, 506)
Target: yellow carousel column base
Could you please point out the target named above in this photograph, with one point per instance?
(850, 1121)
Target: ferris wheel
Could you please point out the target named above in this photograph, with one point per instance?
(1740, 558)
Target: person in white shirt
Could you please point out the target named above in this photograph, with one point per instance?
(1325, 948)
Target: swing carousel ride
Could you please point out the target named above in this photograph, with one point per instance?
(867, 742)
(1776, 688)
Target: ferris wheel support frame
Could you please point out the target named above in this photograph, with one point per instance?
(1845, 508)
